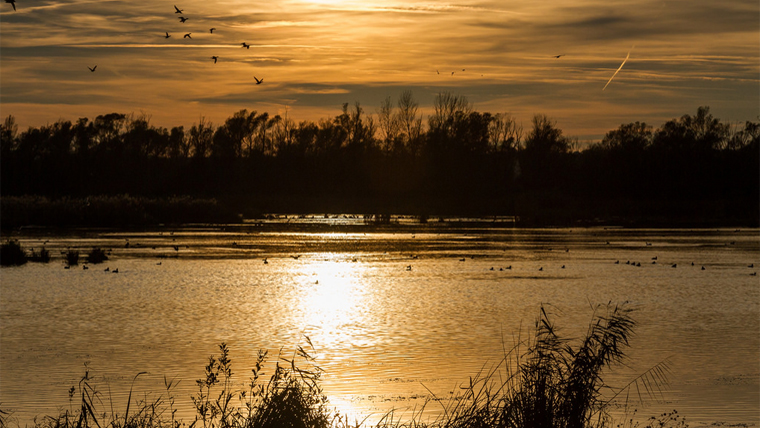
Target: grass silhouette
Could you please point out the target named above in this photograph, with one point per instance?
(543, 382)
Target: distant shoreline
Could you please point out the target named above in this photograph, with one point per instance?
(127, 212)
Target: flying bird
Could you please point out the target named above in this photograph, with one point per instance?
(616, 72)
(211, 30)
(177, 10)
(182, 19)
(92, 69)
(558, 56)
(438, 72)
(258, 81)
(246, 45)
(167, 35)
(187, 36)
(215, 58)
(12, 2)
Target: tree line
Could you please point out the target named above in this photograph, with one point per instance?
(692, 170)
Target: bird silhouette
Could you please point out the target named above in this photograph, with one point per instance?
(258, 81)
(12, 2)
(92, 69)
(187, 36)
(558, 56)
(167, 35)
(246, 45)
(176, 9)
(211, 30)
(215, 58)
(438, 72)
(182, 19)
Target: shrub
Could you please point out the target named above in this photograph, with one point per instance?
(11, 254)
(96, 256)
(42, 257)
(72, 257)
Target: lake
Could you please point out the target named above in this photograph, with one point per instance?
(395, 312)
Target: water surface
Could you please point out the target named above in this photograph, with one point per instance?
(394, 312)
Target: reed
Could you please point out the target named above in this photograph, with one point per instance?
(545, 381)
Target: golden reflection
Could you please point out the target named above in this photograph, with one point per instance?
(333, 299)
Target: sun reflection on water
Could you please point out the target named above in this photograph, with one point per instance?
(333, 300)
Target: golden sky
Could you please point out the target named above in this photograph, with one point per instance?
(316, 55)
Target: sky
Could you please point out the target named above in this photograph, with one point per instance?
(313, 56)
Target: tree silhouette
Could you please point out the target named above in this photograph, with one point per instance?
(694, 170)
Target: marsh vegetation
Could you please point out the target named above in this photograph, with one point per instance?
(545, 381)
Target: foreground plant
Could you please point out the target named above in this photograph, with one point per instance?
(546, 381)
(291, 398)
(553, 384)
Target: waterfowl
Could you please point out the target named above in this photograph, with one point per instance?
(176, 9)
(246, 45)
(258, 81)
(92, 69)
(211, 30)
(13, 3)
(187, 36)
(167, 35)
(182, 19)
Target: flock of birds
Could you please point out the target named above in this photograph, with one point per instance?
(182, 19)
(215, 58)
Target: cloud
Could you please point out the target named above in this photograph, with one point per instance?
(314, 57)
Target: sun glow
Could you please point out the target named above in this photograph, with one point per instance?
(333, 300)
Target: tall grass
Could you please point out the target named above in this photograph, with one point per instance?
(546, 381)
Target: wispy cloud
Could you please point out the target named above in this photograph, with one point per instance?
(316, 55)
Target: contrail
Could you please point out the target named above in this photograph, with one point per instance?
(621, 66)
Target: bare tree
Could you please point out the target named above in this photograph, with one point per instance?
(387, 123)
(504, 132)
(201, 138)
(408, 121)
(446, 108)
